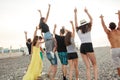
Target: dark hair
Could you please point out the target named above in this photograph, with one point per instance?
(29, 40)
(68, 38)
(35, 40)
(62, 30)
(41, 21)
(85, 28)
(112, 25)
(40, 37)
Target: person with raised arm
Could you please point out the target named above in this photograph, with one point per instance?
(72, 53)
(113, 35)
(43, 25)
(86, 48)
(35, 67)
(50, 45)
(28, 42)
(61, 49)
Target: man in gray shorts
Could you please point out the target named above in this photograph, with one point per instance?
(114, 38)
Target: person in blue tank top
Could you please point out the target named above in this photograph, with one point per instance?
(86, 48)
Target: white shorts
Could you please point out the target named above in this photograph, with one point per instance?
(116, 57)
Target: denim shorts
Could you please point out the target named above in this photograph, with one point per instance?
(47, 36)
(52, 60)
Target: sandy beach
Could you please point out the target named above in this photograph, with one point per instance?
(10, 55)
(14, 66)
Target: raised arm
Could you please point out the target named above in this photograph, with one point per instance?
(25, 35)
(54, 29)
(73, 30)
(86, 11)
(118, 19)
(103, 24)
(47, 13)
(75, 17)
(35, 32)
(42, 50)
(40, 13)
(55, 45)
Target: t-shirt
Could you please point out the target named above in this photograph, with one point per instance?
(29, 46)
(49, 44)
(61, 47)
(44, 27)
(85, 38)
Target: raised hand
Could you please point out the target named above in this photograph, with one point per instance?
(49, 5)
(118, 12)
(101, 16)
(75, 10)
(55, 26)
(25, 32)
(63, 27)
(86, 10)
(37, 27)
(39, 10)
(71, 22)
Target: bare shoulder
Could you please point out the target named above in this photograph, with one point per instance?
(118, 29)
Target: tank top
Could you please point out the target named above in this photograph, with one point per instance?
(85, 38)
(44, 27)
(71, 48)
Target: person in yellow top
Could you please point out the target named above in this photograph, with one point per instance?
(35, 67)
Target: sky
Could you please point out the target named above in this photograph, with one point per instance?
(17, 16)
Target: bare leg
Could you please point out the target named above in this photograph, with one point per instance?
(76, 68)
(50, 69)
(93, 60)
(87, 63)
(64, 70)
(71, 69)
(118, 69)
(54, 70)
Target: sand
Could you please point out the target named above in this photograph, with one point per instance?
(14, 67)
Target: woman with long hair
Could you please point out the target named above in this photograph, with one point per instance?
(86, 48)
(72, 52)
(43, 25)
(35, 67)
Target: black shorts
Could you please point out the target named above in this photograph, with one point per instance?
(86, 47)
(72, 55)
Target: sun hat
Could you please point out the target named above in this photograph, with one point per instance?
(83, 22)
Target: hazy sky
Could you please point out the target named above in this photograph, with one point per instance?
(17, 16)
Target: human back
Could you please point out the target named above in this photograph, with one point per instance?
(114, 38)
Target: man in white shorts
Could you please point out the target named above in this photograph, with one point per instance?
(114, 38)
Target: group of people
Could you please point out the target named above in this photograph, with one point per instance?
(64, 45)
